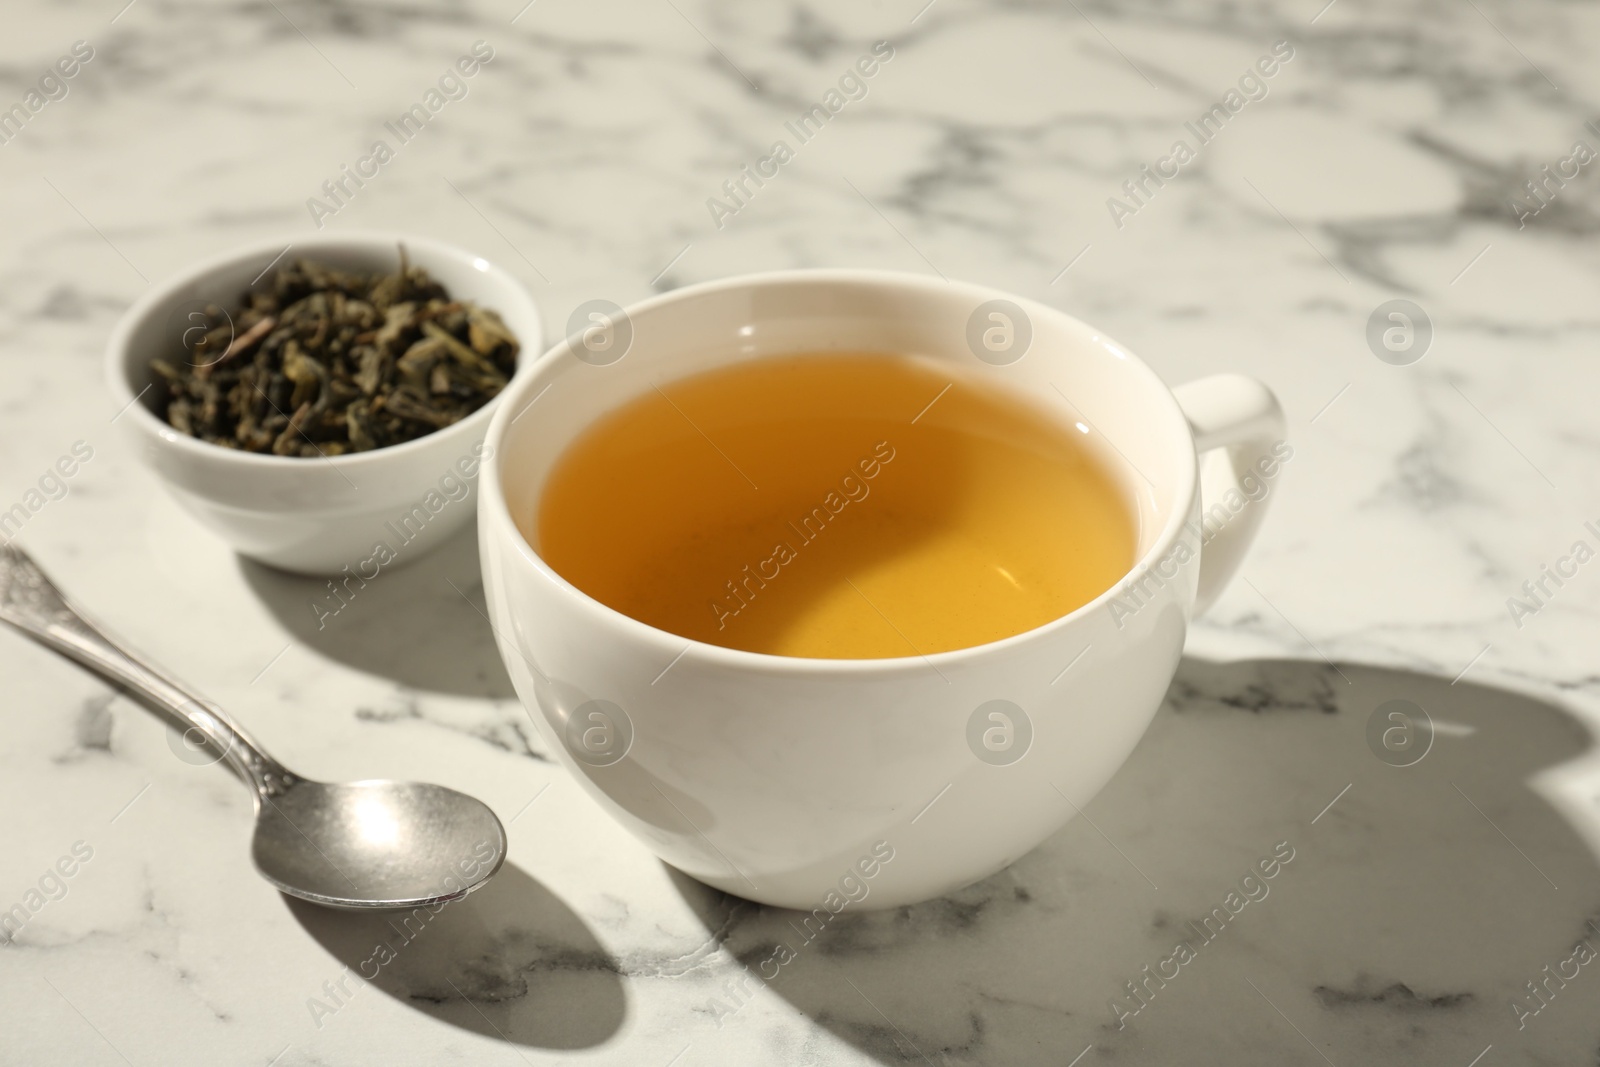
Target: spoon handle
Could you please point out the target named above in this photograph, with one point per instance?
(33, 605)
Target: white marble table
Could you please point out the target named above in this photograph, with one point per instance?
(1379, 165)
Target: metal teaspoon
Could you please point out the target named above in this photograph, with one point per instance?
(375, 844)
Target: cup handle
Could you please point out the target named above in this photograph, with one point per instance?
(1238, 417)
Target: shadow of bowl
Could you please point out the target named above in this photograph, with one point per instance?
(419, 622)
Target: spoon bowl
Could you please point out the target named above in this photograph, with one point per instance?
(376, 844)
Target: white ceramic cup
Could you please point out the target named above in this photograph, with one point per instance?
(313, 516)
(822, 784)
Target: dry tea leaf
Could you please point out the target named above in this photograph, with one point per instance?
(323, 362)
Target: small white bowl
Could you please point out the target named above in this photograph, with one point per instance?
(314, 516)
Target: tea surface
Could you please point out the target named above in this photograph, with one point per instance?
(840, 506)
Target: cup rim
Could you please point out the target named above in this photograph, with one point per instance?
(492, 505)
(119, 355)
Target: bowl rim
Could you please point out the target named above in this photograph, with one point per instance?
(119, 356)
(496, 522)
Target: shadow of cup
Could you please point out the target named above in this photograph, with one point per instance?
(1424, 893)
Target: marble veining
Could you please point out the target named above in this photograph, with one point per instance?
(1424, 904)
